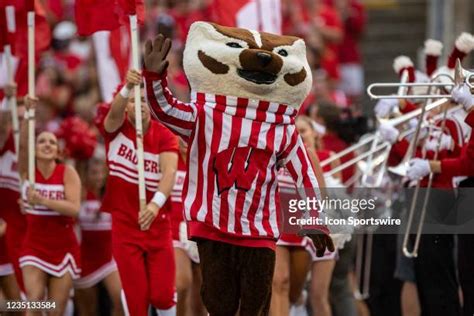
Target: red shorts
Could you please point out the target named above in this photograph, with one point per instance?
(96, 257)
(292, 240)
(51, 246)
(181, 241)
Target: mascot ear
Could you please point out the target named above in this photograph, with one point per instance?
(201, 28)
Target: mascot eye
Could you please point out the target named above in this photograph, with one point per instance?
(283, 53)
(234, 45)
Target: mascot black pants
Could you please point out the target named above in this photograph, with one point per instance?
(235, 278)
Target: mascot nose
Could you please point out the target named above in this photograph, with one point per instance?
(264, 58)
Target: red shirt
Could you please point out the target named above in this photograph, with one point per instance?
(333, 143)
(354, 24)
(46, 227)
(121, 195)
(444, 179)
(464, 164)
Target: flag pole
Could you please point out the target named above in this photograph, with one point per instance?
(31, 94)
(138, 115)
(10, 15)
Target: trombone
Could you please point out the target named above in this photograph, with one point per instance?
(466, 78)
(369, 168)
(362, 156)
(393, 122)
(458, 80)
(401, 168)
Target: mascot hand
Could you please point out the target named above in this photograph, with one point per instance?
(155, 54)
(322, 242)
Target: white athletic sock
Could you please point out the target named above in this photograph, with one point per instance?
(167, 312)
(69, 311)
(300, 309)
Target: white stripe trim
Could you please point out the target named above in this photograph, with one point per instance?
(41, 213)
(133, 174)
(67, 265)
(124, 303)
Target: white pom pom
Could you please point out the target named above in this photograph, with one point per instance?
(465, 43)
(401, 62)
(433, 47)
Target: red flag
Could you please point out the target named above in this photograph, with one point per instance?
(130, 7)
(260, 15)
(95, 15)
(19, 39)
(42, 28)
(105, 15)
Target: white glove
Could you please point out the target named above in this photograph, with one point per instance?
(446, 142)
(462, 95)
(418, 168)
(385, 106)
(388, 133)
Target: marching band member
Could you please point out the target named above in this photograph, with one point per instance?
(435, 263)
(459, 166)
(50, 254)
(141, 239)
(188, 276)
(96, 245)
(10, 209)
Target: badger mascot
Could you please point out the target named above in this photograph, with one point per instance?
(246, 89)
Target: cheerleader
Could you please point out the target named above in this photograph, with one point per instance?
(322, 267)
(188, 276)
(10, 190)
(50, 254)
(96, 246)
(141, 239)
(8, 285)
(294, 254)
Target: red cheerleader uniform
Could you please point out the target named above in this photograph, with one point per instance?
(9, 208)
(145, 259)
(286, 183)
(96, 243)
(6, 268)
(50, 243)
(178, 224)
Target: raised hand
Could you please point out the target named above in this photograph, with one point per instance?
(155, 54)
(133, 78)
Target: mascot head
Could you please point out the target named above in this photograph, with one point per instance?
(248, 64)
